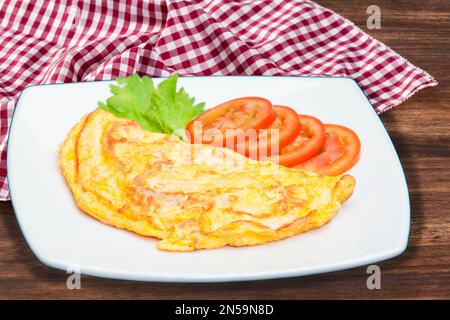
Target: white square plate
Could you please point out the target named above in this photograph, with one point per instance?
(372, 226)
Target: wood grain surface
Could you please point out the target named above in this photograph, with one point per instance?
(420, 130)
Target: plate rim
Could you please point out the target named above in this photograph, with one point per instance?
(218, 277)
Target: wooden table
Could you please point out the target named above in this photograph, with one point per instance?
(420, 130)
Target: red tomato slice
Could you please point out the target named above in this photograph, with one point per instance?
(306, 145)
(340, 152)
(242, 113)
(279, 134)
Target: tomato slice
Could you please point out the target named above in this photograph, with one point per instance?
(306, 145)
(279, 134)
(340, 152)
(243, 113)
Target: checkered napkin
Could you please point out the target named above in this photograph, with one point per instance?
(82, 40)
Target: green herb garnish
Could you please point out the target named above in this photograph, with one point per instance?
(162, 109)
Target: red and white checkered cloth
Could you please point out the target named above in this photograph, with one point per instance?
(79, 40)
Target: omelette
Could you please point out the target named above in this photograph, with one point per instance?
(190, 196)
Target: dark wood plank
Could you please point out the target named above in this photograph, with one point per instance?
(420, 130)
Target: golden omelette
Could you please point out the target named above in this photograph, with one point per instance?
(190, 196)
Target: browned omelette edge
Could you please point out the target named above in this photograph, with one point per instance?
(237, 233)
(82, 197)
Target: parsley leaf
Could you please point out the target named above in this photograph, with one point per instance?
(162, 109)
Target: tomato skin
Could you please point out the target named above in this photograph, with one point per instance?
(306, 145)
(288, 127)
(290, 124)
(340, 153)
(241, 113)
